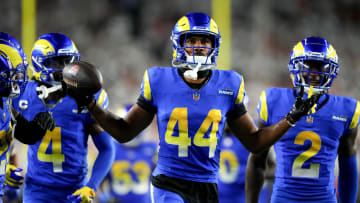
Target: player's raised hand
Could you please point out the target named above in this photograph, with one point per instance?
(301, 106)
(82, 195)
(81, 81)
(13, 177)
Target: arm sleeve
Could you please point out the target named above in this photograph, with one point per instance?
(348, 179)
(143, 103)
(27, 132)
(104, 160)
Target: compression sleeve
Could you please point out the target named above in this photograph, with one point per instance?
(143, 103)
(104, 160)
(27, 132)
(348, 179)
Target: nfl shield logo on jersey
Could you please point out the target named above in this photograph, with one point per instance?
(196, 96)
(309, 119)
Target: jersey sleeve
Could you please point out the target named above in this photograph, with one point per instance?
(262, 109)
(102, 98)
(145, 90)
(240, 96)
(355, 118)
(239, 106)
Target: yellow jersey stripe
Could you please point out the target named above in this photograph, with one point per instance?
(240, 96)
(102, 97)
(263, 109)
(147, 89)
(355, 119)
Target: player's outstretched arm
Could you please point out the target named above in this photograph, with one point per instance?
(348, 173)
(255, 140)
(81, 81)
(122, 129)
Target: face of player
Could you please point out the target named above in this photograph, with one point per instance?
(197, 45)
(57, 63)
(312, 71)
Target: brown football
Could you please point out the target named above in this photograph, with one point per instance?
(82, 77)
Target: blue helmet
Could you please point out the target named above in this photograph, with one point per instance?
(50, 50)
(313, 50)
(195, 24)
(13, 66)
(5, 38)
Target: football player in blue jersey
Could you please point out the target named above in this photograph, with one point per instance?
(192, 103)
(13, 78)
(305, 156)
(57, 164)
(129, 178)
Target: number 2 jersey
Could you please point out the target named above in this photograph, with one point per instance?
(59, 159)
(306, 154)
(190, 122)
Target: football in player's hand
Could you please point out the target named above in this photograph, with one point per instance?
(82, 78)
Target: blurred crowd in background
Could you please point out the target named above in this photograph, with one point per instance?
(125, 37)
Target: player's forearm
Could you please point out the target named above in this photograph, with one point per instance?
(348, 179)
(103, 161)
(267, 136)
(254, 179)
(114, 125)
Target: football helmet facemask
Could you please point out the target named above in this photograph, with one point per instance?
(195, 24)
(313, 62)
(13, 66)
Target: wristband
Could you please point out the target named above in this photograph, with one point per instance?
(289, 120)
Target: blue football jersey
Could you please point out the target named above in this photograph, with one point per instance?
(5, 141)
(59, 159)
(305, 156)
(129, 177)
(190, 122)
(233, 159)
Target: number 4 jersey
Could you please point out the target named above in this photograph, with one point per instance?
(305, 156)
(190, 122)
(59, 159)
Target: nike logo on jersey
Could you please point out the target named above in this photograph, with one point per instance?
(340, 118)
(82, 111)
(227, 92)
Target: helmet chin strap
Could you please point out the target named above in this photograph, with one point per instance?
(193, 73)
(313, 91)
(43, 93)
(310, 89)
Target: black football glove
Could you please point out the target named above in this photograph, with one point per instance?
(44, 120)
(82, 98)
(301, 106)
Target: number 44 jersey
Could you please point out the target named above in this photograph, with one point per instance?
(191, 122)
(305, 156)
